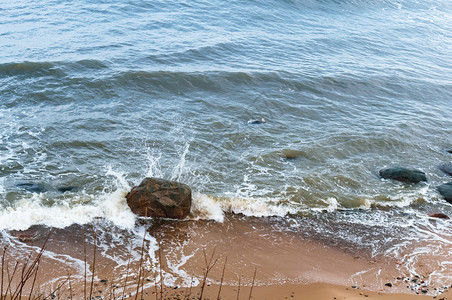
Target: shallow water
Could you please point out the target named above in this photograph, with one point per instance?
(96, 96)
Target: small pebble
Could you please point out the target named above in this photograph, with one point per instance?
(388, 284)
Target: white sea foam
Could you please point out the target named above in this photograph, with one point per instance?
(332, 205)
(2, 182)
(213, 208)
(28, 212)
(32, 210)
(154, 169)
(205, 207)
(180, 167)
(366, 204)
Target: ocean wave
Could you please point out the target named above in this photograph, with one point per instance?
(33, 211)
(214, 208)
(31, 69)
(56, 69)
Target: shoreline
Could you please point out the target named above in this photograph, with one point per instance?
(284, 261)
(319, 290)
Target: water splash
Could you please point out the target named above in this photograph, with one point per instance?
(180, 167)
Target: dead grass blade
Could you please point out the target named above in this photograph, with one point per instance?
(140, 265)
(209, 265)
(160, 270)
(252, 285)
(238, 289)
(127, 271)
(222, 277)
(94, 262)
(84, 259)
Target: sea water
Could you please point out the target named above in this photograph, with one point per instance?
(95, 95)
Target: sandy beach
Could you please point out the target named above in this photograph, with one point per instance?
(321, 291)
(287, 265)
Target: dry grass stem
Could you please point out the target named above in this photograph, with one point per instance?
(94, 262)
(3, 269)
(209, 265)
(160, 269)
(222, 277)
(252, 285)
(127, 270)
(70, 289)
(238, 289)
(84, 259)
(58, 288)
(140, 266)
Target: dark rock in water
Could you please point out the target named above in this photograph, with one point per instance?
(403, 175)
(257, 121)
(446, 168)
(64, 189)
(155, 197)
(450, 151)
(32, 187)
(446, 191)
(439, 216)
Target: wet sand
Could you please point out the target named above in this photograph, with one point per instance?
(313, 291)
(287, 265)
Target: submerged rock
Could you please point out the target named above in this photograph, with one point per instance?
(446, 191)
(32, 187)
(161, 198)
(446, 168)
(257, 121)
(291, 154)
(64, 189)
(403, 174)
(439, 216)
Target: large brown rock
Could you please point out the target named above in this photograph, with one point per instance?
(161, 198)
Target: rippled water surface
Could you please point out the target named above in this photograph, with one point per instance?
(94, 96)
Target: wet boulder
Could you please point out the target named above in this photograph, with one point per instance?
(446, 191)
(403, 174)
(64, 189)
(257, 121)
(155, 197)
(439, 216)
(446, 168)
